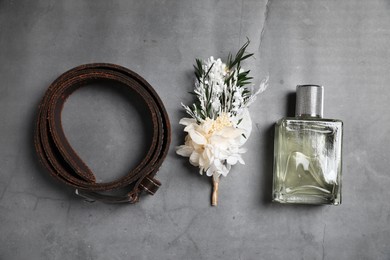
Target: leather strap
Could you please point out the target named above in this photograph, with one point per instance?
(62, 162)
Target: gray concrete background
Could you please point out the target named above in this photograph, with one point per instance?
(343, 45)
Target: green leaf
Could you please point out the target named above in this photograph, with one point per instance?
(240, 56)
(247, 56)
(208, 71)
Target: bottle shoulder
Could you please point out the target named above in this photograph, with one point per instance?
(307, 123)
(308, 120)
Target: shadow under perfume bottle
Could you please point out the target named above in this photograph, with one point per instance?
(307, 153)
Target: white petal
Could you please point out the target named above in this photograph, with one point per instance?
(194, 159)
(230, 132)
(187, 121)
(209, 172)
(204, 161)
(197, 137)
(207, 124)
(225, 171)
(217, 163)
(240, 160)
(232, 160)
(219, 143)
(208, 152)
(189, 127)
(184, 150)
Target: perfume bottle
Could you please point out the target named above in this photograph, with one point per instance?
(307, 153)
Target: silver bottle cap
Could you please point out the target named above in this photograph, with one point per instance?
(310, 101)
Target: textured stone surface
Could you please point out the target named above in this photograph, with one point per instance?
(342, 45)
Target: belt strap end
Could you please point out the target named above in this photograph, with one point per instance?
(150, 185)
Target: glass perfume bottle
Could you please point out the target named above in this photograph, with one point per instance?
(307, 153)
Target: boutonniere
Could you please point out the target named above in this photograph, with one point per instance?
(220, 123)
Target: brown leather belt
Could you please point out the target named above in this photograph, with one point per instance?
(62, 162)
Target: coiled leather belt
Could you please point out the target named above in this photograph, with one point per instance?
(62, 162)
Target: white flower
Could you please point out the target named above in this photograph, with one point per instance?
(213, 145)
(216, 105)
(216, 75)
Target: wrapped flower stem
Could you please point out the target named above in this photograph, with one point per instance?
(214, 196)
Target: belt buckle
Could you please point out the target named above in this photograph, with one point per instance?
(84, 196)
